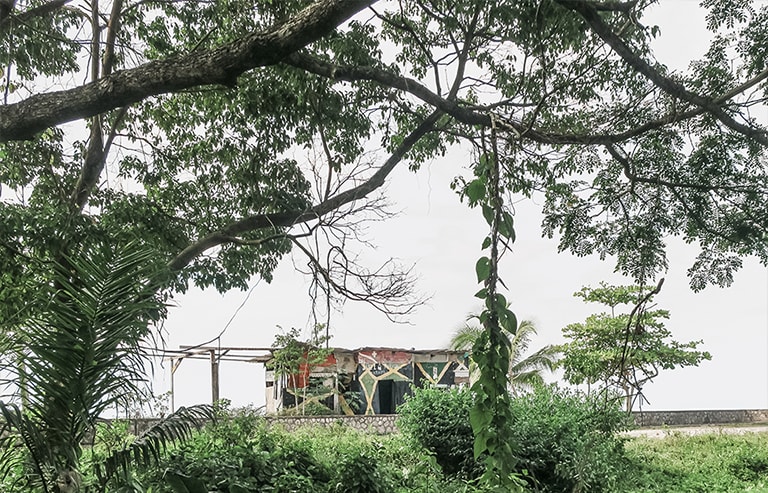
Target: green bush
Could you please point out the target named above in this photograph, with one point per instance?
(239, 453)
(243, 454)
(439, 421)
(566, 441)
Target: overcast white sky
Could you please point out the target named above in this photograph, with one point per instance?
(442, 238)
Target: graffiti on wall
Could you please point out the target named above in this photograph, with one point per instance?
(370, 381)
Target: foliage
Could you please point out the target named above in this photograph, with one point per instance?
(625, 349)
(82, 352)
(525, 371)
(223, 133)
(687, 464)
(439, 422)
(293, 362)
(241, 453)
(568, 441)
(147, 449)
(563, 440)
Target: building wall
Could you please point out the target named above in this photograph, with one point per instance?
(369, 381)
(383, 378)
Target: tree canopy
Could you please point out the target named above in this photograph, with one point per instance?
(623, 350)
(220, 132)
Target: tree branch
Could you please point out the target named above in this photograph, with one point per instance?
(670, 86)
(112, 29)
(291, 218)
(220, 65)
(621, 157)
(480, 115)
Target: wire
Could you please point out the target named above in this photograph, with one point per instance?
(231, 319)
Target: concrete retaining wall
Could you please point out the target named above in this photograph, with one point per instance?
(380, 424)
(693, 418)
(386, 423)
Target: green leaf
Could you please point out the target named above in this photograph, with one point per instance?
(483, 269)
(184, 484)
(488, 214)
(508, 321)
(475, 191)
(507, 226)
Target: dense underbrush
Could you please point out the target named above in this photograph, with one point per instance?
(564, 442)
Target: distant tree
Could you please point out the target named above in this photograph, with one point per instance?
(293, 360)
(525, 370)
(623, 350)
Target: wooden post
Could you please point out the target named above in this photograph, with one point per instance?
(173, 390)
(174, 366)
(214, 377)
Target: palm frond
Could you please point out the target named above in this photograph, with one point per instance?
(147, 449)
(521, 340)
(526, 380)
(19, 430)
(543, 359)
(84, 345)
(10, 459)
(524, 370)
(464, 337)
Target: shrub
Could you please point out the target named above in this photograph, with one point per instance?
(239, 453)
(439, 421)
(566, 441)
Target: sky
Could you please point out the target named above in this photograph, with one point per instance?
(441, 238)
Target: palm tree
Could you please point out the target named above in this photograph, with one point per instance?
(82, 353)
(525, 372)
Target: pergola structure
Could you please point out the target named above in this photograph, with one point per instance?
(215, 354)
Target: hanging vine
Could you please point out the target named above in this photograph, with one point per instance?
(491, 415)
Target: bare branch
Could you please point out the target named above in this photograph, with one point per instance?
(389, 289)
(291, 218)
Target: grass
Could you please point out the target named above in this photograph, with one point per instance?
(704, 463)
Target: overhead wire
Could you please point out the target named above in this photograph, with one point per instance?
(216, 339)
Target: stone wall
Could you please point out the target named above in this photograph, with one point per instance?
(386, 423)
(693, 418)
(380, 424)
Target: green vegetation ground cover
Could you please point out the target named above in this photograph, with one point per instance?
(339, 459)
(242, 453)
(714, 462)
